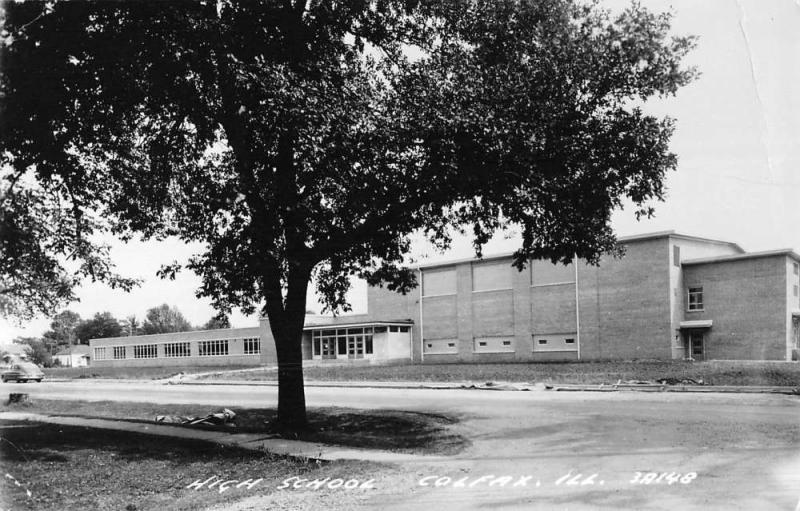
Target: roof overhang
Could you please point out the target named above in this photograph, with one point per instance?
(331, 326)
(697, 323)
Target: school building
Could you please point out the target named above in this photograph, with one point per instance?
(671, 296)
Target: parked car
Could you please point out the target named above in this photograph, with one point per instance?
(22, 371)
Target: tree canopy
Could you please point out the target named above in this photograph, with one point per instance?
(101, 325)
(307, 140)
(164, 319)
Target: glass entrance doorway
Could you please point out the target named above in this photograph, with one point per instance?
(355, 346)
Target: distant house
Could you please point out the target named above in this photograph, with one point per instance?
(74, 356)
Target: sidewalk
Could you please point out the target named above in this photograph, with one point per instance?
(251, 441)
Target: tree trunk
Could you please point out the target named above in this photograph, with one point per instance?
(291, 391)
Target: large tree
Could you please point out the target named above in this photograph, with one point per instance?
(101, 325)
(62, 328)
(164, 319)
(306, 140)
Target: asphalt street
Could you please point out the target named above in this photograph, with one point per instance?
(551, 450)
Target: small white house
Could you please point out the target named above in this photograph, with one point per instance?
(74, 356)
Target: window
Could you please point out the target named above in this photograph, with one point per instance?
(380, 329)
(100, 353)
(440, 347)
(695, 299)
(555, 342)
(394, 328)
(796, 290)
(491, 276)
(404, 329)
(212, 348)
(119, 352)
(145, 351)
(676, 256)
(493, 345)
(545, 273)
(252, 346)
(368, 344)
(439, 282)
(796, 268)
(177, 349)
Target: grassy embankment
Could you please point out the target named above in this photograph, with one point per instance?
(711, 373)
(133, 373)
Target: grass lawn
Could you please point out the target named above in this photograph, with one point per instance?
(76, 468)
(390, 430)
(712, 372)
(133, 373)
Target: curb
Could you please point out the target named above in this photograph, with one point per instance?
(722, 389)
(371, 385)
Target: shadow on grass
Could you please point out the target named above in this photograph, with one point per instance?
(390, 430)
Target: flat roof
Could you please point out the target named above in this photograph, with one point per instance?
(620, 240)
(331, 326)
(228, 331)
(788, 252)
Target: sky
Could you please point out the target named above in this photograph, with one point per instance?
(737, 139)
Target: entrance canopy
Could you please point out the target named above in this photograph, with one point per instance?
(698, 323)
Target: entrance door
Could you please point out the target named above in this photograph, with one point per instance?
(328, 348)
(355, 345)
(695, 345)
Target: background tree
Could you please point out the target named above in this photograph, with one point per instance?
(38, 352)
(221, 320)
(131, 326)
(62, 330)
(102, 325)
(164, 319)
(302, 140)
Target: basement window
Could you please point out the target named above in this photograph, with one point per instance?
(569, 341)
(542, 341)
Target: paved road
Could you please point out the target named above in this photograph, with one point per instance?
(717, 451)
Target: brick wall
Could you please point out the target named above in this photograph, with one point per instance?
(746, 301)
(624, 304)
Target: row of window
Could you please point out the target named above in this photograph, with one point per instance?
(339, 332)
(212, 348)
(495, 276)
(551, 342)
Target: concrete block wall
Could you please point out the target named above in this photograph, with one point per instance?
(746, 302)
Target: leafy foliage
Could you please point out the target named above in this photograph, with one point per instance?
(37, 350)
(103, 324)
(164, 319)
(62, 328)
(47, 249)
(218, 321)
